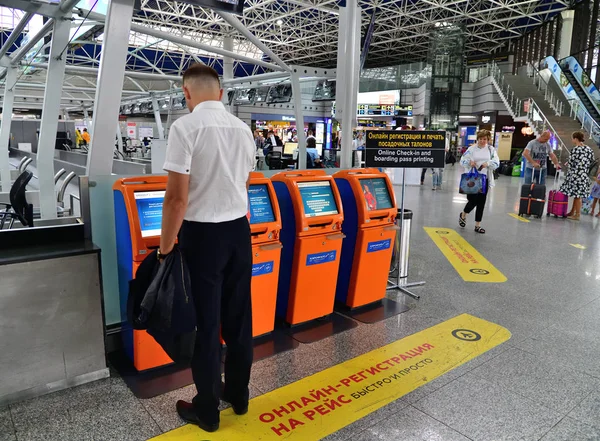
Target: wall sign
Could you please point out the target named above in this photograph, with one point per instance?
(405, 149)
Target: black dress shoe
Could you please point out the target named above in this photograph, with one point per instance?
(240, 408)
(188, 414)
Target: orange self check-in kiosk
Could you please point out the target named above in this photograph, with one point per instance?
(369, 225)
(312, 217)
(138, 219)
(265, 227)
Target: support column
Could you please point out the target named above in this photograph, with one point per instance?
(297, 94)
(161, 130)
(50, 111)
(227, 68)
(7, 110)
(86, 120)
(348, 69)
(109, 86)
(566, 33)
(119, 138)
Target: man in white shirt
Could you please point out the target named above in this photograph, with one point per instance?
(209, 157)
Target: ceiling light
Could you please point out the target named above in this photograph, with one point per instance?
(279, 22)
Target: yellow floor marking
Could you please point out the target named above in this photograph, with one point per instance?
(319, 405)
(465, 259)
(578, 245)
(516, 216)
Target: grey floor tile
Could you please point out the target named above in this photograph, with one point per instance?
(409, 424)
(588, 411)
(289, 367)
(551, 345)
(572, 430)
(162, 408)
(103, 410)
(485, 411)
(374, 418)
(547, 384)
(56, 406)
(7, 430)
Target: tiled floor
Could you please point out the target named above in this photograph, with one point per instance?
(543, 384)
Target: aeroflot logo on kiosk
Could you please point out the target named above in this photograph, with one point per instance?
(319, 258)
(381, 245)
(259, 269)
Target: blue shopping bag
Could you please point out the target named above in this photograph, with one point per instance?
(472, 182)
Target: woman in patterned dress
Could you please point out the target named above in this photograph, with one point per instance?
(577, 182)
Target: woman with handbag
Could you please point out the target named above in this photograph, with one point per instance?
(480, 161)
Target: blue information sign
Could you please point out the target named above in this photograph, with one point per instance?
(149, 205)
(319, 258)
(261, 210)
(317, 198)
(373, 247)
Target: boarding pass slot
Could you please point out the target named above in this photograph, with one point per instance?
(271, 247)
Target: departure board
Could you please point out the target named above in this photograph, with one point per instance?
(381, 110)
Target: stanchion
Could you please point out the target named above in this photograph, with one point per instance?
(401, 252)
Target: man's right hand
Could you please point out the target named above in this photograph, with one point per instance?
(536, 164)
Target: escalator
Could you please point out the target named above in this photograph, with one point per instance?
(585, 100)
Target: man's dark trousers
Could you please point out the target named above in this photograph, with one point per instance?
(219, 259)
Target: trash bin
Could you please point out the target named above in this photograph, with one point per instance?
(399, 267)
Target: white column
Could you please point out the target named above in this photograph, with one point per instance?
(227, 69)
(109, 86)
(86, 120)
(297, 94)
(348, 70)
(119, 138)
(7, 110)
(566, 33)
(161, 130)
(50, 111)
(228, 61)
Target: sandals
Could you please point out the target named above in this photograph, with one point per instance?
(462, 221)
(479, 230)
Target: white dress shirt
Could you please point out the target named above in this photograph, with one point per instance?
(217, 150)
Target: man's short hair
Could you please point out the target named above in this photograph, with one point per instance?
(311, 143)
(201, 72)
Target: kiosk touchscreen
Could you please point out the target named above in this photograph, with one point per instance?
(312, 216)
(369, 215)
(138, 218)
(265, 226)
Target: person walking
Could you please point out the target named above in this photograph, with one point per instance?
(209, 158)
(485, 159)
(595, 193)
(577, 182)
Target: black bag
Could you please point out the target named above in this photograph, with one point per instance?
(508, 170)
(160, 301)
(533, 199)
(450, 158)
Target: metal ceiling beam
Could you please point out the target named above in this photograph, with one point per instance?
(83, 70)
(22, 51)
(16, 33)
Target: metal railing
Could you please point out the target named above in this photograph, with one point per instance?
(588, 123)
(534, 115)
(506, 92)
(542, 85)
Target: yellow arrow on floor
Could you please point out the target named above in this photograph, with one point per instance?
(578, 245)
(517, 217)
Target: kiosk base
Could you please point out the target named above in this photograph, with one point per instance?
(151, 383)
(320, 328)
(373, 312)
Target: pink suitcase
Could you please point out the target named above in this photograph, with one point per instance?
(558, 203)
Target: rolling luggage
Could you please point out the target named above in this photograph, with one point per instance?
(508, 170)
(533, 199)
(557, 202)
